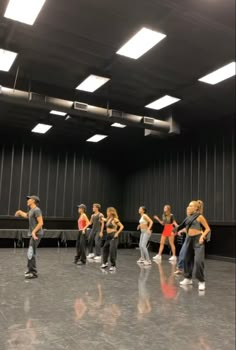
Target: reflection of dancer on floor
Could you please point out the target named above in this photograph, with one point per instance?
(197, 230)
(83, 222)
(168, 221)
(144, 305)
(168, 287)
(145, 225)
(88, 305)
(113, 228)
(95, 233)
(36, 232)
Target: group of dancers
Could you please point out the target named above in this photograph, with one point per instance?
(191, 257)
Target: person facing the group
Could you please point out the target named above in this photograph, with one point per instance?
(35, 217)
(83, 222)
(168, 221)
(145, 225)
(95, 233)
(197, 230)
(113, 228)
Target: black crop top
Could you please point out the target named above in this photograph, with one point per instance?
(110, 224)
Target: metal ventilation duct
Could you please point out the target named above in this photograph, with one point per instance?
(80, 109)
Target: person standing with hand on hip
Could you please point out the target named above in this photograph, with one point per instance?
(34, 215)
(145, 226)
(95, 233)
(83, 223)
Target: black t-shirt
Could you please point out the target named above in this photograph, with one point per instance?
(33, 214)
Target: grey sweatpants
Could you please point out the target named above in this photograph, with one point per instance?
(144, 238)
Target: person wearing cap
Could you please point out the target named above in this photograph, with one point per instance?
(34, 215)
(83, 223)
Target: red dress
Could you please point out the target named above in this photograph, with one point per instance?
(168, 225)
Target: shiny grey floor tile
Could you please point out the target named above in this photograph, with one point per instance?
(70, 307)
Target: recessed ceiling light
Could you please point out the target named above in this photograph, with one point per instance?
(162, 102)
(96, 138)
(118, 125)
(25, 11)
(140, 43)
(63, 114)
(220, 74)
(92, 83)
(41, 128)
(6, 59)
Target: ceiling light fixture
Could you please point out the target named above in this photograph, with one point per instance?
(96, 138)
(6, 59)
(41, 128)
(220, 74)
(162, 102)
(92, 83)
(25, 11)
(118, 125)
(140, 43)
(63, 114)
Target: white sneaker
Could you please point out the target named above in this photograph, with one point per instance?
(157, 257)
(97, 258)
(201, 285)
(173, 258)
(104, 266)
(147, 263)
(140, 261)
(112, 269)
(186, 282)
(90, 256)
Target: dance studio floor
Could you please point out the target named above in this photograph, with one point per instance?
(81, 308)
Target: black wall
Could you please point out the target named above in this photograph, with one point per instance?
(61, 178)
(195, 167)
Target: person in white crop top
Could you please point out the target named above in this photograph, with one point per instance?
(145, 225)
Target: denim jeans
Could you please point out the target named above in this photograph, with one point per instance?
(182, 254)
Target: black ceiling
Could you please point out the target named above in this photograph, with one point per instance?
(71, 39)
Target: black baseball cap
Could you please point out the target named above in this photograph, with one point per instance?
(83, 206)
(35, 198)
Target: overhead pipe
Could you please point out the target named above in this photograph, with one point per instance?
(79, 109)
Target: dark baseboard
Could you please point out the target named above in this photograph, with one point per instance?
(221, 258)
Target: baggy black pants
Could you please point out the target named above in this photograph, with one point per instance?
(31, 254)
(81, 247)
(110, 247)
(94, 235)
(194, 258)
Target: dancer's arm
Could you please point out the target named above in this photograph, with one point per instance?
(38, 227)
(160, 221)
(121, 227)
(20, 213)
(102, 225)
(87, 223)
(204, 223)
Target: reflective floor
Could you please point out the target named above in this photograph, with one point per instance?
(71, 307)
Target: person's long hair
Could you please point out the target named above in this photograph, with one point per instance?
(201, 206)
(167, 215)
(112, 212)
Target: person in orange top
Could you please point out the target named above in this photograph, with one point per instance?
(83, 221)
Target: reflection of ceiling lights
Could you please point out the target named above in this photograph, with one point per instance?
(92, 83)
(220, 74)
(6, 59)
(25, 11)
(41, 128)
(63, 114)
(140, 43)
(162, 102)
(118, 125)
(96, 138)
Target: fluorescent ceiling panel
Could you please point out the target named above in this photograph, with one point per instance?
(220, 74)
(96, 138)
(6, 59)
(118, 125)
(63, 114)
(162, 102)
(25, 11)
(140, 43)
(41, 128)
(92, 83)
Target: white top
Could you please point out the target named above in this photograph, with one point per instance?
(143, 221)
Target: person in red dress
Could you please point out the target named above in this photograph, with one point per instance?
(168, 221)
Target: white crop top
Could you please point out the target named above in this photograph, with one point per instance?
(143, 221)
